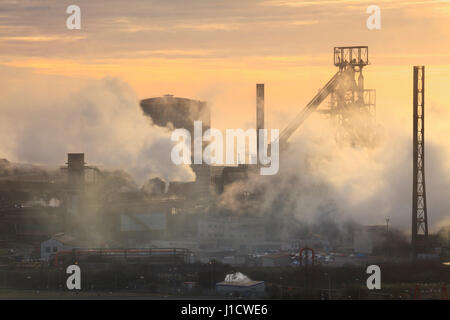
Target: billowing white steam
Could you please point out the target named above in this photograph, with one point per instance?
(323, 178)
(44, 117)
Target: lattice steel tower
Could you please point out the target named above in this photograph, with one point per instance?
(350, 104)
(350, 98)
(419, 206)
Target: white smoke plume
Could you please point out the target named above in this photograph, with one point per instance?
(45, 117)
(325, 178)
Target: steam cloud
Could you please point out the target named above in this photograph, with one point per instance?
(46, 117)
(323, 178)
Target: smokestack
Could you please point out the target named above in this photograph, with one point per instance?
(75, 166)
(259, 112)
(75, 169)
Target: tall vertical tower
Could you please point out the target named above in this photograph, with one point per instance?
(419, 205)
(76, 192)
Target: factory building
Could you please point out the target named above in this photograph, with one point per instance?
(137, 227)
(231, 232)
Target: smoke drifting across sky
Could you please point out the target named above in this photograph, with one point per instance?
(46, 117)
(323, 176)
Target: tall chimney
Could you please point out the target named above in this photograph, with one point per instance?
(75, 167)
(76, 189)
(259, 113)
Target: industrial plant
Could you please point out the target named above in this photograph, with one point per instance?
(229, 232)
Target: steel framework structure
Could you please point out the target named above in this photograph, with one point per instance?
(419, 205)
(351, 104)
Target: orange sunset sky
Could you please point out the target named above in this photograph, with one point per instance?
(218, 50)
